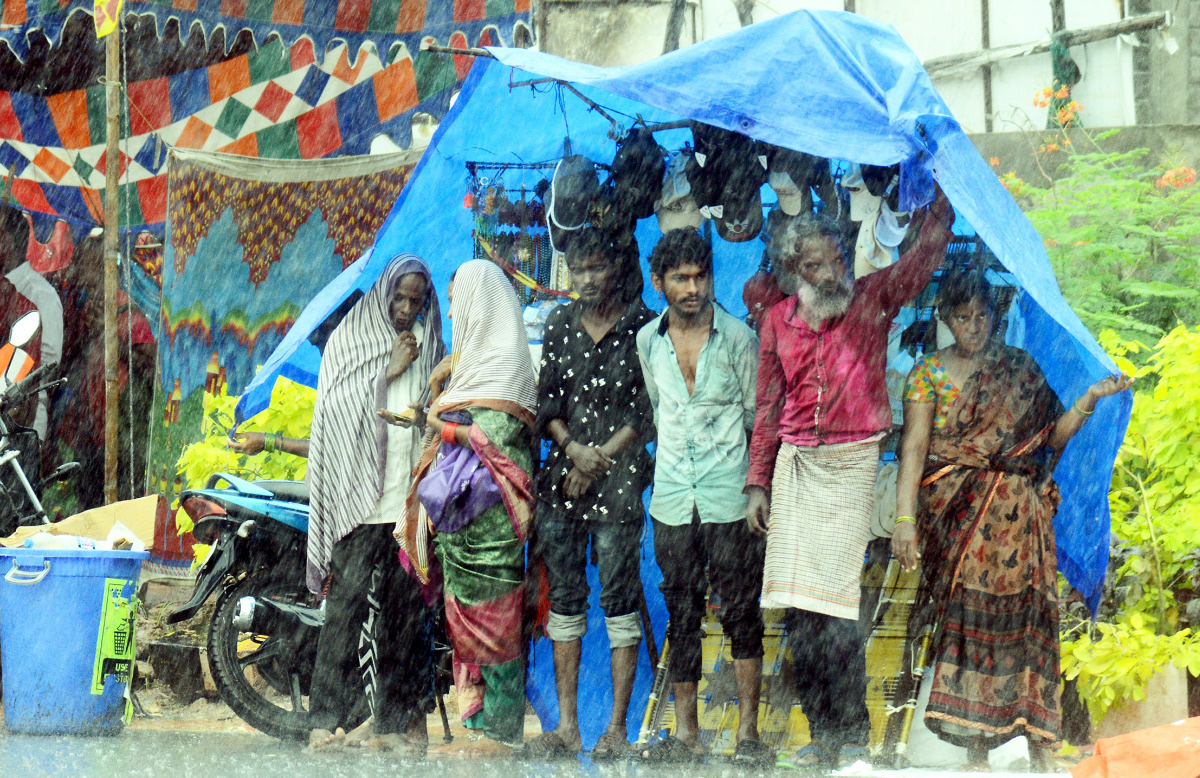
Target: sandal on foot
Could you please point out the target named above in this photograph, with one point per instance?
(811, 755)
(851, 754)
(671, 750)
(546, 747)
(754, 752)
(609, 748)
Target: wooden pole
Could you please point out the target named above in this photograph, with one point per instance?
(112, 77)
(985, 40)
(674, 26)
(968, 63)
(1058, 15)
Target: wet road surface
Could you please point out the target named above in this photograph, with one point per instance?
(216, 754)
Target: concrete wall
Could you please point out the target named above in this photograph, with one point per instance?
(611, 33)
(1177, 145)
(1174, 79)
(1128, 80)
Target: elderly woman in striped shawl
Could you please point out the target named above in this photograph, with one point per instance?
(373, 653)
(492, 392)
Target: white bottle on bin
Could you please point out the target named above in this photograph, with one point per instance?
(46, 540)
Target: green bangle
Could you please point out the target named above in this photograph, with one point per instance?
(270, 442)
(905, 520)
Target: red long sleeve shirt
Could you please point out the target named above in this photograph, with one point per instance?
(826, 386)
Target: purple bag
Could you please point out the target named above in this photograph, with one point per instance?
(457, 488)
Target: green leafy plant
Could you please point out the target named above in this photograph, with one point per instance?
(1124, 240)
(1155, 496)
(289, 414)
(1117, 664)
(1150, 611)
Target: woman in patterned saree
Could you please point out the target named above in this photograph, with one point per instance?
(488, 404)
(975, 473)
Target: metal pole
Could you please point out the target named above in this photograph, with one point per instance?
(112, 76)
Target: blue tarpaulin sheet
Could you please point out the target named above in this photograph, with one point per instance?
(832, 84)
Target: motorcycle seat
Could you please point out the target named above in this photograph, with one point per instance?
(291, 491)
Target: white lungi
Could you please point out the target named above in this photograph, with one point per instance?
(822, 500)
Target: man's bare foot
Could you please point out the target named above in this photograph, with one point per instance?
(570, 738)
(324, 740)
(393, 741)
(675, 749)
(417, 737)
(412, 742)
(364, 731)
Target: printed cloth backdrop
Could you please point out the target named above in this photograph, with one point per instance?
(249, 243)
(276, 102)
(265, 80)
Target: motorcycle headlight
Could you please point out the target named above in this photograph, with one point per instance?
(199, 508)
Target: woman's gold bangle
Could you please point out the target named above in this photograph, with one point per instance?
(1081, 411)
(905, 520)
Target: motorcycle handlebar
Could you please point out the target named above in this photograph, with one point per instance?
(18, 390)
(48, 386)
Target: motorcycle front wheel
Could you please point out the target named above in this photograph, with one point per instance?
(263, 678)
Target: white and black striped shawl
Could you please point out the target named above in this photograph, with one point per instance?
(348, 448)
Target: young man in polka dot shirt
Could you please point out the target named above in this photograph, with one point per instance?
(593, 409)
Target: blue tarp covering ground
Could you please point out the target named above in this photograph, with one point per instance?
(832, 84)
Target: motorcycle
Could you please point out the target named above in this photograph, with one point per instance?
(20, 449)
(262, 637)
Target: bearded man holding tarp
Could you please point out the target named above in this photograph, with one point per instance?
(814, 454)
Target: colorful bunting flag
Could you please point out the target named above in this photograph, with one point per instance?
(322, 21)
(106, 14)
(54, 159)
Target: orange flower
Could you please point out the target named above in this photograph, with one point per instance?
(1013, 184)
(1066, 141)
(994, 161)
(1063, 93)
(1052, 147)
(1176, 178)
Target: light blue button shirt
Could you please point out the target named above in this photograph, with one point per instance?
(702, 454)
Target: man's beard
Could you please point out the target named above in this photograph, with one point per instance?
(822, 305)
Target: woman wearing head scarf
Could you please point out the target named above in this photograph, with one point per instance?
(488, 405)
(373, 652)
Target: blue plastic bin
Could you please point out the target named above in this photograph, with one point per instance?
(51, 602)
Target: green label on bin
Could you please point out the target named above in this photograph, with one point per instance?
(114, 645)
